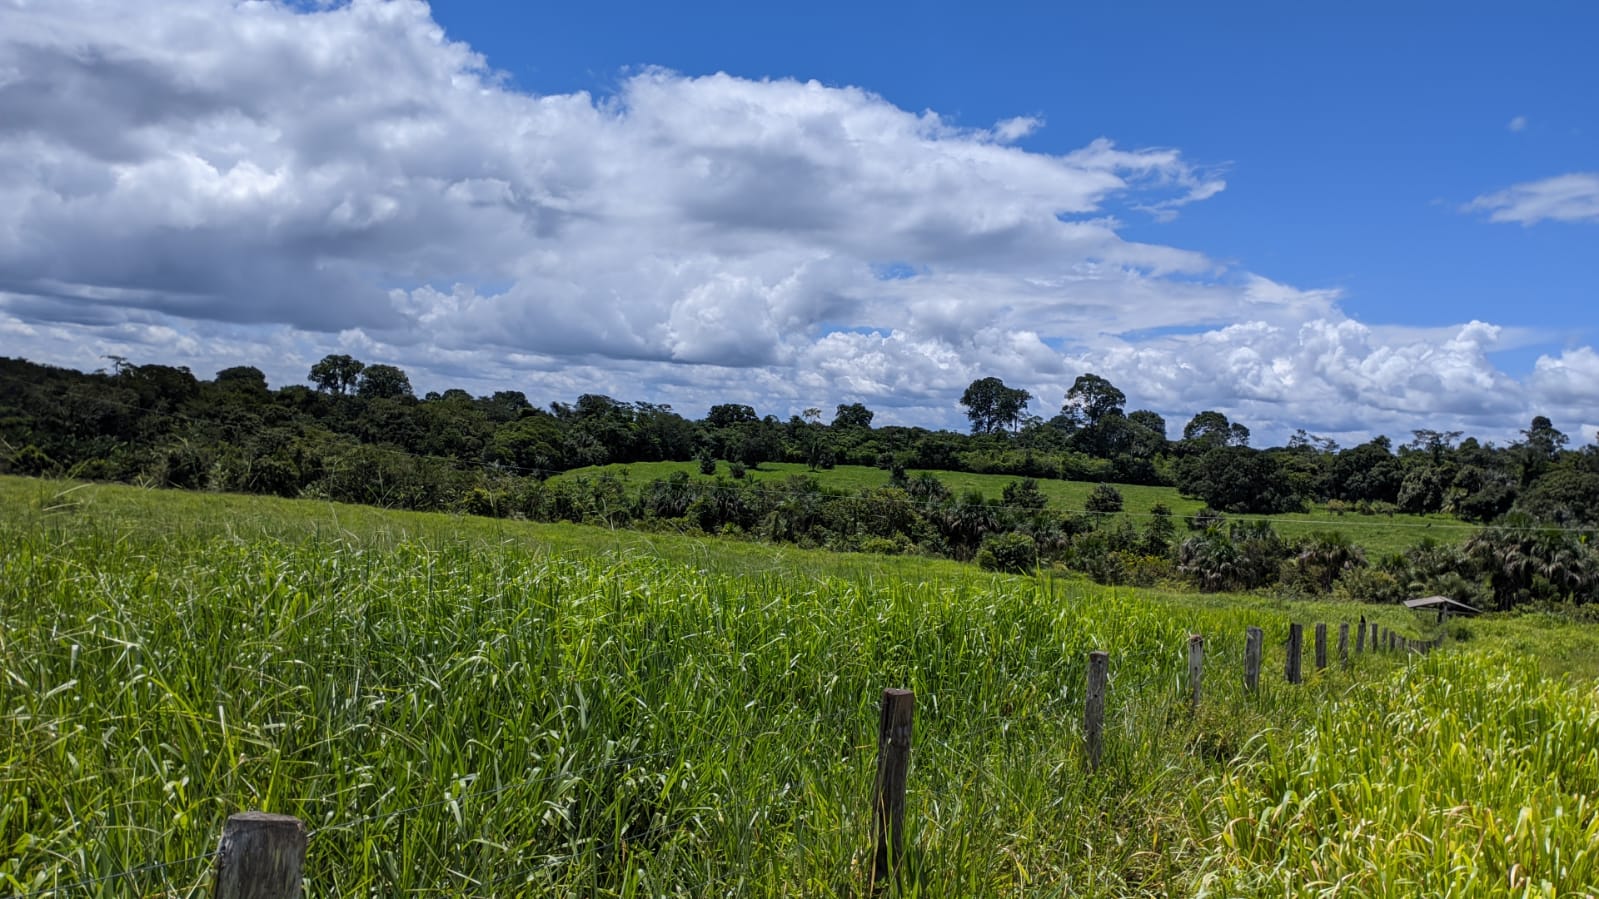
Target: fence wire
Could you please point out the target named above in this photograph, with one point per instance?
(1160, 688)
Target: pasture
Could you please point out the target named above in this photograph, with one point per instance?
(1379, 534)
(475, 707)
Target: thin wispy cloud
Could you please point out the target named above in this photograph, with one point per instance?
(1563, 198)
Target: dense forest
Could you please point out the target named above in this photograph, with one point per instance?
(358, 433)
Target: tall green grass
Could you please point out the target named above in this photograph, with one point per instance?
(459, 706)
(1462, 775)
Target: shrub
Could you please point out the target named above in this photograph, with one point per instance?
(736, 469)
(1013, 552)
(707, 464)
(1104, 498)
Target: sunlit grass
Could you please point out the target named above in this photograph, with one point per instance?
(462, 706)
(1378, 534)
(1462, 775)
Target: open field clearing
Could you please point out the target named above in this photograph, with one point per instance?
(463, 706)
(1379, 534)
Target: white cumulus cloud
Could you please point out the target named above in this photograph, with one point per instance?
(212, 183)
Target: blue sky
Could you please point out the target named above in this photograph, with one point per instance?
(1347, 219)
(1350, 134)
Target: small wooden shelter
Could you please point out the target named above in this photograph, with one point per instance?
(1443, 605)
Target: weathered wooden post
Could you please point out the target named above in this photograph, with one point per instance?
(1360, 636)
(1094, 708)
(1196, 668)
(1374, 644)
(1296, 645)
(1383, 639)
(1393, 641)
(1343, 644)
(1321, 645)
(261, 856)
(888, 794)
(1252, 642)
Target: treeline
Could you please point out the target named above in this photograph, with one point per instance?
(358, 433)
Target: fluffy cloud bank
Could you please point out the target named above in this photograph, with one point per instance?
(213, 183)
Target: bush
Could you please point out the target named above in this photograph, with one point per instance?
(1369, 585)
(1012, 552)
(736, 469)
(31, 460)
(1104, 499)
(886, 546)
(707, 464)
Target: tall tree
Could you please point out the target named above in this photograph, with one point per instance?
(1091, 400)
(992, 407)
(336, 373)
(728, 414)
(1210, 429)
(384, 382)
(852, 415)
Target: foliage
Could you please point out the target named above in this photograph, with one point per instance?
(1104, 499)
(1238, 479)
(992, 407)
(361, 435)
(1012, 552)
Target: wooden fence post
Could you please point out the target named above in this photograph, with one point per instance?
(1252, 641)
(261, 856)
(1196, 667)
(1343, 644)
(1321, 645)
(1094, 708)
(1360, 636)
(1296, 645)
(1374, 646)
(888, 794)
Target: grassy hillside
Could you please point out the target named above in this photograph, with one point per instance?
(1379, 534)
(478, 707)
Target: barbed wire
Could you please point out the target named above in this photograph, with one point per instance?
(1150, 679)
(578, 774)
(130, 872)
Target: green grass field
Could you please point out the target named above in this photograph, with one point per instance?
(1379, 534)
(475, 707)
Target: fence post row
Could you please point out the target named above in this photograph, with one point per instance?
(1296, 642)
(261, 856)
(1196, 667)
(1094, 708)
(888, 794)
(1252, 659)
